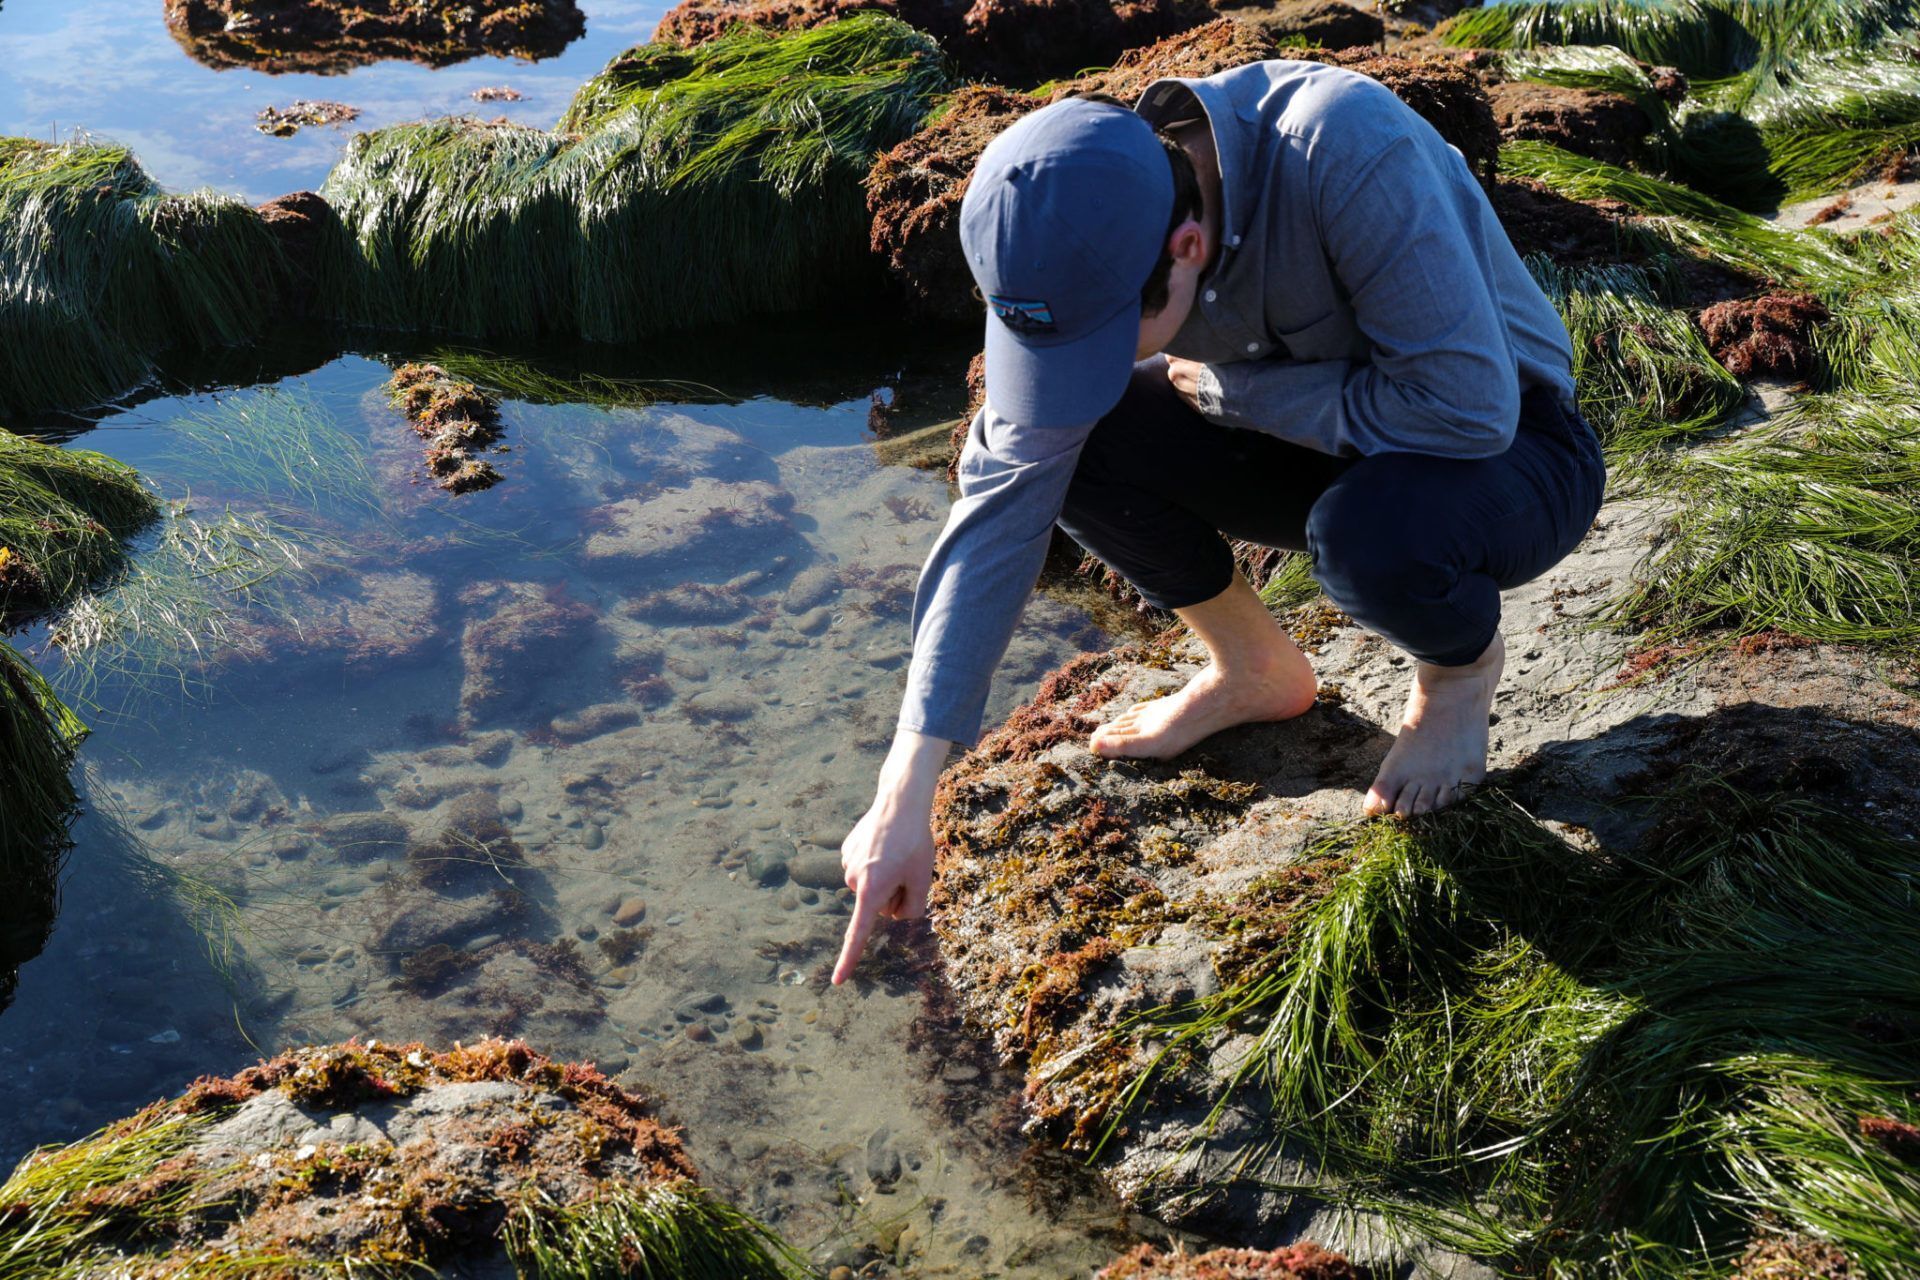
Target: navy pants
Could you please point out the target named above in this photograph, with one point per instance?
(1415, 547)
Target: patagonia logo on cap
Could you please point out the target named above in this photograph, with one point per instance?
(1024, 315)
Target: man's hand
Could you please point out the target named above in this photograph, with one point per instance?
(1185, 377)
(888, 856)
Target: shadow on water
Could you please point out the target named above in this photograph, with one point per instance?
(134, 994)
(806, 360)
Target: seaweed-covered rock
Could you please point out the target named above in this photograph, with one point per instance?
(106, 272)
(674, 192)
(1326, 24)
(1594, 122)
(363, 618)
(456, 419)
(1292, 1262)
(1029, 41)
(698, 522)
(914, 191)
(693, 22)
(1771, 335)
(330, 36)
(519, 632)
(485, 1157)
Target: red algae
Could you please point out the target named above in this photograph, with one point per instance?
(1770, 335)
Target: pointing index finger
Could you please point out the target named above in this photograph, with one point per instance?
(865, 911)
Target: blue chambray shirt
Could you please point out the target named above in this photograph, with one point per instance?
(1364, 299)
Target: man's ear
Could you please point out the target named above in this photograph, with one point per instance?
(1188, 243)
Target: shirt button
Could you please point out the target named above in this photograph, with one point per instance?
(1253, 346)
(1212, 294)
(1236, 242)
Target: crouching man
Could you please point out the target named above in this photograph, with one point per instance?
(1272, 304)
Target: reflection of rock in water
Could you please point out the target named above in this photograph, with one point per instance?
(390, 1157)
(26, 915)
(334, 35)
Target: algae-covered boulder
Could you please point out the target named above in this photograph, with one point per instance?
(331, 36)
(1656, 966)
(683, 187)
(378, 1159)
(915, 189)
(101, 271)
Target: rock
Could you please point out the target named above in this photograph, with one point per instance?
(883, 1162)
(253, 796)
(699, 1032)
(363, 836)
(429, 919)
(326, 37)
(307, 230)
(810, 588)
(813, 622)
(703, 520)
(403, 1157)
(748, 1036)
(689, 603)
(492, 749)
(630, 912)
(1593, 122)
(1298, 1261)
(689, 1007)
(591, 722)
(714, 704)
(518, 633)
(817, 868)
(593, 837)
(767, 864)
(374, 618)
(1327, 24)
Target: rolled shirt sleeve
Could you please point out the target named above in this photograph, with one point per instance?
(983, 566)
(1442, 378)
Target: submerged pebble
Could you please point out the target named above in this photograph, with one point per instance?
(630, 911)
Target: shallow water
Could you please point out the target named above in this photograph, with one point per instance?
(112, 69)
(526, 666)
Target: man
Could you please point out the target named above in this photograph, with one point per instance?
(1356, 364)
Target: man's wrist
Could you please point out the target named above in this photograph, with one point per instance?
(912, 767)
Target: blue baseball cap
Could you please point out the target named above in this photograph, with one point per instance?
(1062, 224)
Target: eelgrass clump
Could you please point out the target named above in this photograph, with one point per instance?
(1812, 530)
(672, 1231)
(1644, 374)
(556, 1172)
(682, 187)
(1569, 1063)
(63, 515)
(101, 271)
(1677, 218)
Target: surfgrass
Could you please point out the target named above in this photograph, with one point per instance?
(683, 187)
(675, 1229)
(1567, 1064)
(1644, 373)
(1812, 530)
(101, 271)
(1675, 217)
(63, 516)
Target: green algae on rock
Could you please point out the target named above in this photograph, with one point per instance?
(381, 1160)
(682, 187)
(101, 271)
(455, 418)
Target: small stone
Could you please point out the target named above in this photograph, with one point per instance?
(813, 622)
(699, 1031)
(593, 837)
(630, 911)
(512, 810)
(883, 1162)
(789, 899)
(692, 1005)
(817, 868)
(768, 865)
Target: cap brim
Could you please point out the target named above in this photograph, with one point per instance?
(1064, 384)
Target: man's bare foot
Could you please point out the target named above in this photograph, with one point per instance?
(1442, 744)
(1208, 703)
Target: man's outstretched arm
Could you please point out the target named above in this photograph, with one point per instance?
(1013, 482)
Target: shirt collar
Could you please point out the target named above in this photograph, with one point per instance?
(1233, 141)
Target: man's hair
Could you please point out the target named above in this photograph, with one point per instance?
(1186, 204)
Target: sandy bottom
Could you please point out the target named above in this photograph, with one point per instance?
(568, 759)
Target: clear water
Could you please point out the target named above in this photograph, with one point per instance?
(638, 741)
(733, 731)
(111, 69)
